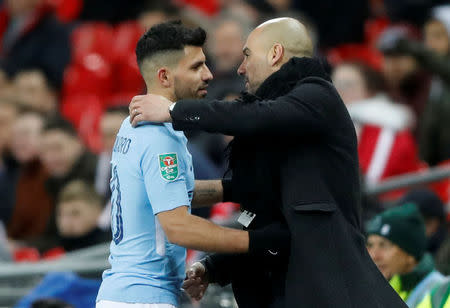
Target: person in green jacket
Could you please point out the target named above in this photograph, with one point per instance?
(397, 243)
(439, 297)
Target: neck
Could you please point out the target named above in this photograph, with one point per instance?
(167, 93)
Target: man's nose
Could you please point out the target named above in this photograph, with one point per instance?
(241, 69)
(207, 76)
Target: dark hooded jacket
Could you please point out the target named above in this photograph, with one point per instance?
(294, 159)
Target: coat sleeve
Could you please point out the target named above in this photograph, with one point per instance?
(301, 112)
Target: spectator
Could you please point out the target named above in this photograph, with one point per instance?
(64, 156)
(397, 244)
(78, 210)
(32, 37)
(8, 112)
(386, 146)
(66, 159)
(434, 56)
(407, 83)
(432, 210)
(226, 43)
(33, 89)
(33, 205)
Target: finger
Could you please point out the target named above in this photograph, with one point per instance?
(137, 98)
(191, 273)
(132, 116)
(192, 292)
(188, 283)
(198, 268)
(138, 118)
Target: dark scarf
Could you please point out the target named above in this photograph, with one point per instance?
(94, 237)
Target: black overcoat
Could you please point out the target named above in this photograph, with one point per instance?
(294, 159)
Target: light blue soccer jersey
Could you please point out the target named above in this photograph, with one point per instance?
(151, 173)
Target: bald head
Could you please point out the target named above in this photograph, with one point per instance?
(270, 46)
(289, 33)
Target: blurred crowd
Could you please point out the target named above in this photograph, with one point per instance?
(68, 70)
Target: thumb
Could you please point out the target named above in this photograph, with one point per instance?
(196, 270)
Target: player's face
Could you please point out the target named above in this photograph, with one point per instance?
(76, 218)
(389, 258)
(192, 75)
(254, 67)
(58, 152)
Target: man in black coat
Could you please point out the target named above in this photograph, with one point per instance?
(294, 160)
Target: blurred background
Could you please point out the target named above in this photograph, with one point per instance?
(68, 71)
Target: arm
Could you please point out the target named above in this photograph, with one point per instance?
(303, 111)
(193, 232)
(300, 112)
(209, 192)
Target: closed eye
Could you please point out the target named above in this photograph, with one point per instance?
(197, 65)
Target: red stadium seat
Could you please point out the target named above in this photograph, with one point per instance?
(84, 112)
(94, 37)
(120, 99)
(207, 7)
(54, 253)
(90, 75)
(26, 254)
(127, 77)
(126, 36)
(373, 29)
(355, 52)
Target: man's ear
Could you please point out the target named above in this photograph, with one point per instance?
(164, 75)
(276, 54)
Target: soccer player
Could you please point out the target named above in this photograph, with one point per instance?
(152, 184)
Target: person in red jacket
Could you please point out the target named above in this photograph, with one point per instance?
(386, 146)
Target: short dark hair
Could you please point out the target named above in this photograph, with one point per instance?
(167, 36)
(61, 124)
(79, 190)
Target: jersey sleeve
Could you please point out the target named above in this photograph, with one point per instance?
(164, 174)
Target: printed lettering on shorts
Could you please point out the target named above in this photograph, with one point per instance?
(168, 166)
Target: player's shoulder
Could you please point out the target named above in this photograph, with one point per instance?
(158, 130)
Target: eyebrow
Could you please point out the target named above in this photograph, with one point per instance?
(197, 63)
